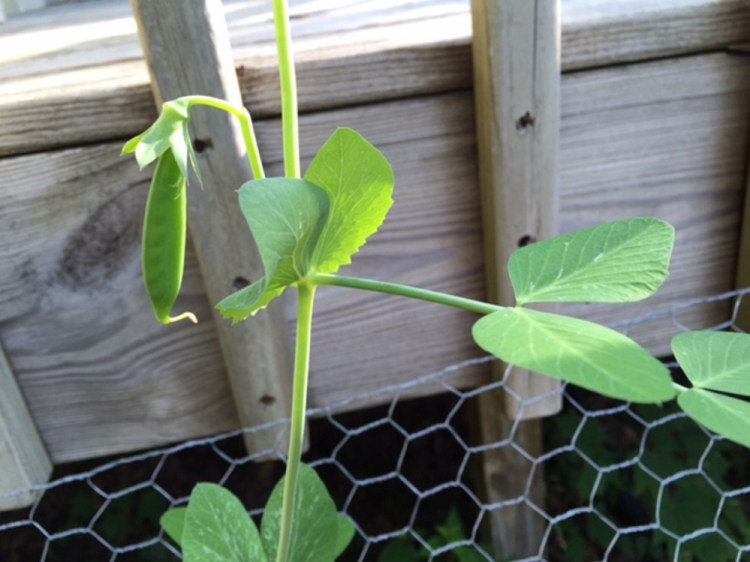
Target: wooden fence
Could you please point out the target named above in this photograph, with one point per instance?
(653, 121)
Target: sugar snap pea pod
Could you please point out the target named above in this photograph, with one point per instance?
(164, 233)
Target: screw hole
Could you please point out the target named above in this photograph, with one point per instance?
(525, 240)
(524, 122)
(240, 283)
(201, 145)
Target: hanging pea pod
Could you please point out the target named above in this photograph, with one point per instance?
(164, 235)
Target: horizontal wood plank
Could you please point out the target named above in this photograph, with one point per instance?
(664, 138)
(73, 75)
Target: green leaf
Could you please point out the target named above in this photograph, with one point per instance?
(344, 535)
(170, 130)
(359, 182)
(403, 549)
(622, 261)
(285, 217)
(315, 527)
(173, 523)
(218, 529)
(715, 360)
(722, 414)
(316, 224)
(574, 350)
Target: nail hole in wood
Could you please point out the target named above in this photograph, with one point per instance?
(240, 283)
(525, 121)
(201, 145)
(267, 400)
(525, 240)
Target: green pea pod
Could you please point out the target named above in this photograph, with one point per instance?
(164, 234)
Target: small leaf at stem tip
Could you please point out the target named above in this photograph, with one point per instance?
(721, 414)
(617, 262)
(715, 360)
(577, 351)
(168, 131)
(217, 527)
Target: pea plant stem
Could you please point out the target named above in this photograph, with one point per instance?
(404, 291)
(289, 117)
(306, 297)
(246, 126)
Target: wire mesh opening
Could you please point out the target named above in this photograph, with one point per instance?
(621, 482)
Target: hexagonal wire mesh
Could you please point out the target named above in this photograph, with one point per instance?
(623, 482)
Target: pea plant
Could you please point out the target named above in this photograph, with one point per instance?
(307, 227)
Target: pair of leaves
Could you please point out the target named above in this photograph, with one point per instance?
(622, 261)
(315, 224)
(215, 526)
(716, 363)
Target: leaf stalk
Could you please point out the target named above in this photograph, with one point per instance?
(404, 291)
(246, 126)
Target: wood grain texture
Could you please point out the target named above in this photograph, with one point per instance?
(743, 261)
(24, 462)
(667, 138)
(517, 91)
(72, 75)
(188, 52)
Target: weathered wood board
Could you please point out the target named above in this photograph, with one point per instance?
(188, 51)
(67, 71)
(665, 138)
(25, 460)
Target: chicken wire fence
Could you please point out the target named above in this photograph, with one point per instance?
(618, 482)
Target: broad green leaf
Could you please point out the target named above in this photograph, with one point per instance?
(574, 350)
(359, 182)
(314, 224)
(344, 535)
(173, 523)
(722, 414)
(218, 529)
(622, 261)
(715, 360)
(285, 217)
(316, 522)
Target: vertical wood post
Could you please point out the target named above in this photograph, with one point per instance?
(23, 459)
(517, 91)
(188, 52)
(743, 261)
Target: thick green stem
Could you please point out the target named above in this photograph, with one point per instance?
(246, 126)
(299, 406)
(404, 291)
(289, 119)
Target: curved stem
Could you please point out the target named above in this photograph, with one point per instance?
(404, 291)
(246, 126)
(679, 388)
(289, 118)
(299, 406)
